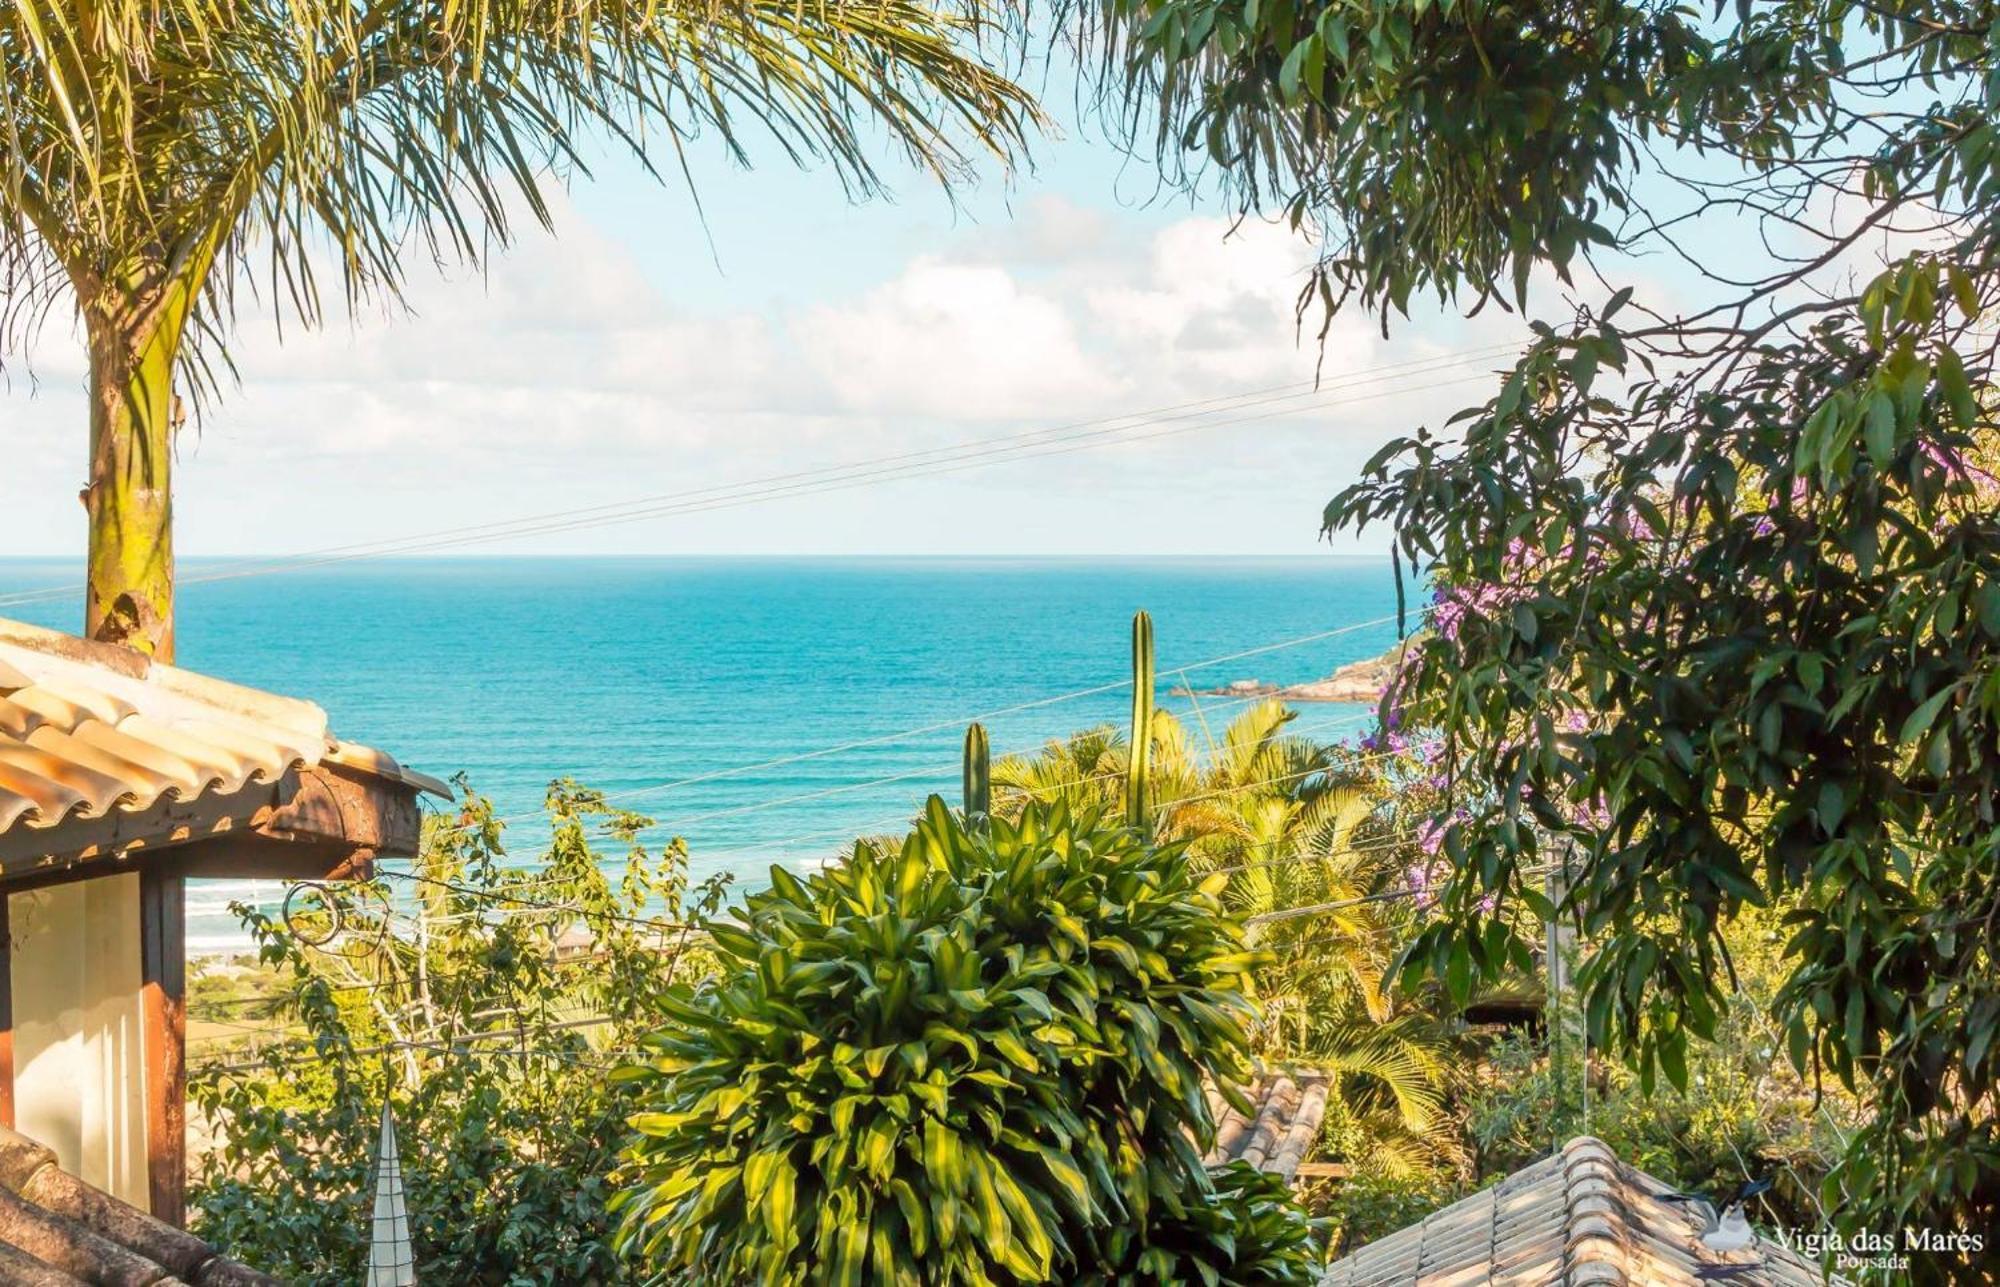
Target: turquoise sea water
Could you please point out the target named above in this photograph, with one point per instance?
(628, 674)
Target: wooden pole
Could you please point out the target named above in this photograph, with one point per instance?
(1559, 947)
(6, 1012)
(163, 1014)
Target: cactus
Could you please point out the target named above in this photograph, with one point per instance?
(1139, 767)
(978, 775)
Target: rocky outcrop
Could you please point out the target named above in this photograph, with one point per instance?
(1357, 681)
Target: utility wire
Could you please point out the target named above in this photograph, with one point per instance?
(956, 722)
(903, 816)
(907, 465)
(940, 770)
(937, 770)
(955, 465)
(513, 899)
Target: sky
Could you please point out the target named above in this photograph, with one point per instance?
(651, 347)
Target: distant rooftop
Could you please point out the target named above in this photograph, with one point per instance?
(1579, 1219)
(1287, 1107)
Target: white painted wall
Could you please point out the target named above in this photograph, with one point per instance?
(79, 1053)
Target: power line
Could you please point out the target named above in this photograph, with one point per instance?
(502, 896)
(507, 897)
(907, 465)
(453, 1045)
(1056, 447)
(514, 899)
(1386, 896)
(903, 815)
(1377, 844)
(954, 723)
(927, 771)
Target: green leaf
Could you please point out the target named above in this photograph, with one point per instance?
(1920, 720)
(1880, 431)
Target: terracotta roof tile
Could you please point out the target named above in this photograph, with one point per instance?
(1579, 1219)
(56, 1231)
(89, 728)
(1287, 1105)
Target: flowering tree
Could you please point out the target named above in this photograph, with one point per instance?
(1718, 605)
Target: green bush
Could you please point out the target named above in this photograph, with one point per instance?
(1374, 1202)
(1247, 1230)
(488, 1043)
(977, 1058)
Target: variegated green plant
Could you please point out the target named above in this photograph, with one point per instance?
(977, 1058)
(1246, 1231)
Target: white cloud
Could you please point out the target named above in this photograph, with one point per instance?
(567, 378)
(952, 342)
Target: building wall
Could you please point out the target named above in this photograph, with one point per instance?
(79, 1056)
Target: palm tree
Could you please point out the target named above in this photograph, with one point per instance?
(156, 152)
(1237, 798)
(1323, 990)
(1248, 795)
(1087, 768)
(1293, 824)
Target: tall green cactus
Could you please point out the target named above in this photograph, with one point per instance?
(978, 776)
(1139, 769)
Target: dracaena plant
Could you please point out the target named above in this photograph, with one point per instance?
(978, 1057)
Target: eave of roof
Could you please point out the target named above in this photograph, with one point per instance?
(97, 734)
(1286, 1109)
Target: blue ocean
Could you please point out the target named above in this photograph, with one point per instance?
(766, 709)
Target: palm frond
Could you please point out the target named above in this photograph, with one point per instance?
(148, 142)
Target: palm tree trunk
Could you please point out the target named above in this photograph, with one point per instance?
(134, 339)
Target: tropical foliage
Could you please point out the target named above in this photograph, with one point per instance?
(1296, 826)
(1715, 564)
(1247, 1231)
(975, 1057)
(161, 156)
(483, 1006)
(1746, 1110)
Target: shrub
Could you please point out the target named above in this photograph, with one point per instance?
(1247, 1231)
(1374, 1202)
(977, 1057)
(491, 1056)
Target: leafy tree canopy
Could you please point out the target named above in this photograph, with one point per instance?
(482, 1002)
(1716, 619)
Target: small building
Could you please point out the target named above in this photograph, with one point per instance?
(122, 778)
(1580, 1218)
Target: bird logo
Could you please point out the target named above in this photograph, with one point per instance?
(1727, 1220)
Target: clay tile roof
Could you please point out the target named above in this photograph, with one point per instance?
(88, 728)
(1287, 1109)
(57, 1231)
(1579, 1219)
